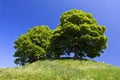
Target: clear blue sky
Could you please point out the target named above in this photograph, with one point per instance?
(17, 16)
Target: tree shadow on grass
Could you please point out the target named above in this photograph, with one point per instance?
(67, 58)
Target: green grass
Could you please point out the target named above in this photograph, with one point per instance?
(66, 69)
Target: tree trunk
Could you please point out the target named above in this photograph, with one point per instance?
(76, 52)
(81, 55)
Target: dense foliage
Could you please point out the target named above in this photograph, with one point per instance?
(78, 32)
(32, 45)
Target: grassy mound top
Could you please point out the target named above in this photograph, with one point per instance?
(66, 69)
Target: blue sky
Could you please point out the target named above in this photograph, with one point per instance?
(17, 16)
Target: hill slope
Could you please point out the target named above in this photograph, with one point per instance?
(62, 70)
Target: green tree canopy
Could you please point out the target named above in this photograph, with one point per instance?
(32, 45)
(78, 32)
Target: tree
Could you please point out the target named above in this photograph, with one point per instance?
(78, 32)
(32, 45)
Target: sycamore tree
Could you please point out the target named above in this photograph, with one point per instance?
(78, 32)
(32, 45)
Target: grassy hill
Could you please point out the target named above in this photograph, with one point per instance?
(66, 69)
